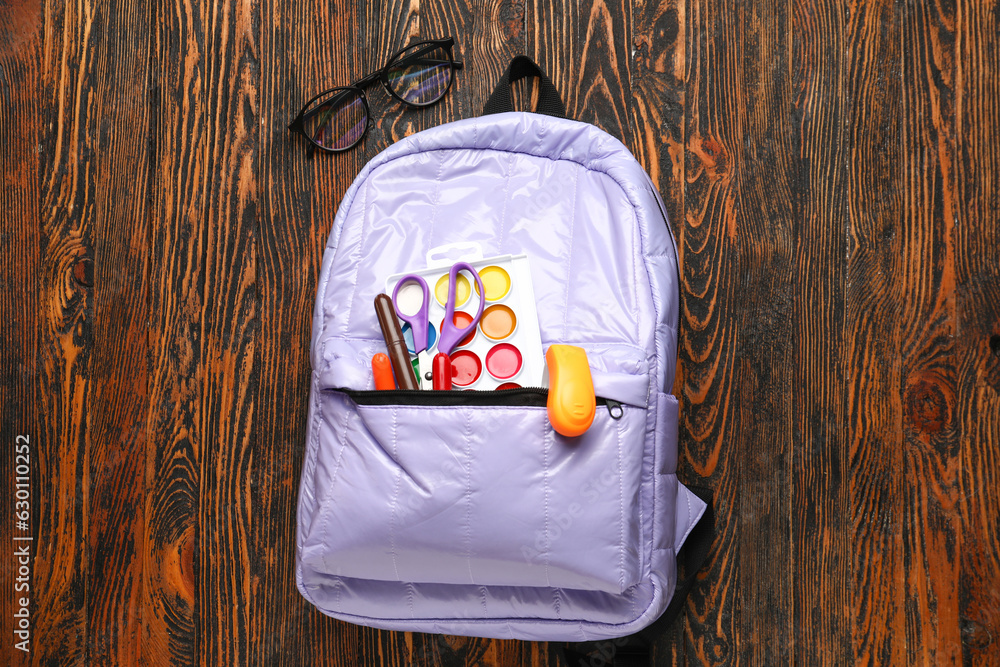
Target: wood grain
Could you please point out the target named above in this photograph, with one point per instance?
(711, 426)
(200, 519)
(66, 171)
(931, 523)
(176, 439)
(765, 239)
(977, 305)
(659, 62)
(819, 498)
(830, 171)
(288, 230)
(20, 265)
(875, 195)
(230, 317)
(117, 132)
(585, 48)
(309, 48)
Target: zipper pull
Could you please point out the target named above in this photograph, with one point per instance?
(614, 408)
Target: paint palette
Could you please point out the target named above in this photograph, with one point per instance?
(505, 350)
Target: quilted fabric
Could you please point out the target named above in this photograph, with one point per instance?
(481, 520)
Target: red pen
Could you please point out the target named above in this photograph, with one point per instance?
(442, 371)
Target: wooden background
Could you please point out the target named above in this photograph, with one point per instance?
(832, 173)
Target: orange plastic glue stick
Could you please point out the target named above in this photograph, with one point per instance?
(571, 404)
(382, 370)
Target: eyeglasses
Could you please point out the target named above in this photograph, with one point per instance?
(418, 76)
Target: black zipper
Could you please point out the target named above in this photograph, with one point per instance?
(520, 397)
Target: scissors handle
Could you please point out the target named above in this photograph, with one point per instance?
(451, 335)
(418, 321)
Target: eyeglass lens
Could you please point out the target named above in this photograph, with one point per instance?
(420, 75)
(338, 121)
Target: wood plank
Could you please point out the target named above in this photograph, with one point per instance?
(711, 433)
(766, 234)
(20, 265)
(67, 168)
(306, 47)
(875, 194)
(977, 305)
(177, 243)
(819, 496)
(932, 531)
(118, 361)
(230, 319)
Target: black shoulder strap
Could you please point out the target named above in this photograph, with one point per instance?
(549, 101)
(634, 650)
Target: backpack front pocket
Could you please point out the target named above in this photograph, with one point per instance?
(476, 494)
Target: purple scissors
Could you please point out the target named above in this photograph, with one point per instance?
(419, 321)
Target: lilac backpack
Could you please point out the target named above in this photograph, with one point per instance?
(467, 514)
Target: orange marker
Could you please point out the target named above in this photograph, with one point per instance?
(382, 370)
(571, 404)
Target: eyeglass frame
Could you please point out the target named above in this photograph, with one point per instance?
(382, 75)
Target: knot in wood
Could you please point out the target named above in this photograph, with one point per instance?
(83, 272)
(712, 155)
(975, 635)
(928, 405)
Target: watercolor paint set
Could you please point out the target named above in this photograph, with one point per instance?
(504, 350)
